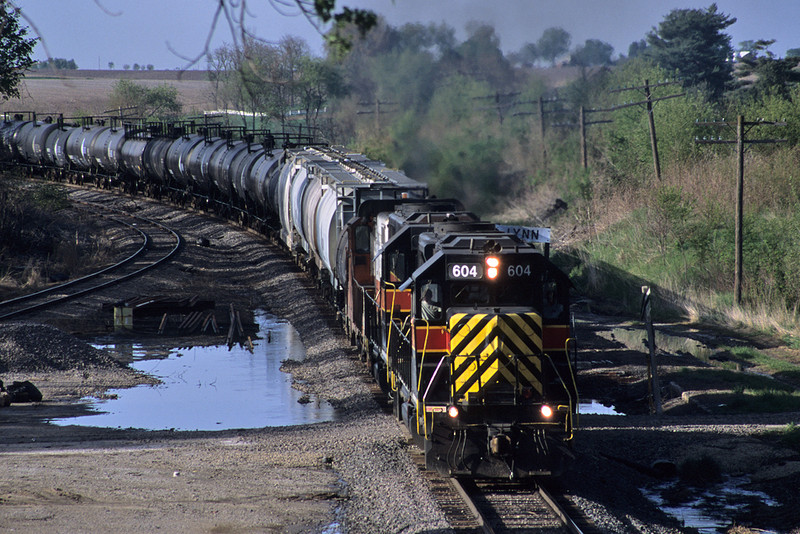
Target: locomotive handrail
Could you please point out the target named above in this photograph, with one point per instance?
(571, 370)
(430, 382)
(419, 379)
(389, 372)
(433, 376)
(402, 353)
(569, 395)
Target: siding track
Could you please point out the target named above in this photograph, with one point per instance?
(158, 244)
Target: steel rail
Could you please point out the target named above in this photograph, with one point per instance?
(147, 241)
(53, 289)
(484, 514)
(567, 521)
(483, 524)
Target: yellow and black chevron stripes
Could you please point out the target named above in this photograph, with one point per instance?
(487, 349)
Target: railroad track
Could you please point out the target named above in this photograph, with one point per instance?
(491, 506)
(157, 244)
(494, 507)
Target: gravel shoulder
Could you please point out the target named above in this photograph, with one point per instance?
(349, 475)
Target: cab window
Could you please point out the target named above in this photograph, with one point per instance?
(397, 266)
(469, 293)
(362, 240)
(552, 306)
(431, 302)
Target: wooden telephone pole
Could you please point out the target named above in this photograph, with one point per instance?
(544, 103)
(583, 124)
(501, 103)
(742, 128)
(648, 103)
(378, 110)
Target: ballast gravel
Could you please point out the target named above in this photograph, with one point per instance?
(349, 475)
(41, 347)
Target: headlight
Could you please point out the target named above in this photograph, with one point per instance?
(492, 267)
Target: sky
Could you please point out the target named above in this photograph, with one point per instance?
(169, 33)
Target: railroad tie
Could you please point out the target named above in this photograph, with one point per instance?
(162, 324)
(193, 320)
(210, 320)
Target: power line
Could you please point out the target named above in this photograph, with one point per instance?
(648, 103)
(742, 129)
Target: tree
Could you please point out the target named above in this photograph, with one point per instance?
(553, 43)
(692, 43)
(528, 55)
(593, 52)
(110, 65)
(159, 101)
(162, 100)
(793, 52)
(319, 82)
(759, 72)
(637, 48)
(345, 22)
(480, 55)
(58, 63)
(747, 46)
(258, 77)
(221, 68)
(15, 51)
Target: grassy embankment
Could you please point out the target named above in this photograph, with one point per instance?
(41, 242)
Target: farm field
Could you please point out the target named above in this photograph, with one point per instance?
(87, 92)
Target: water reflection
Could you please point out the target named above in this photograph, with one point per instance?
(710, 510)
(211, 388)
(593, 407)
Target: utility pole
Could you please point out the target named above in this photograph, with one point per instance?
(541, 112)
(742, 128)
(378, 111)
(652, 124)
(648, 102)
(500, 102)
(653, 386)
(583, 124)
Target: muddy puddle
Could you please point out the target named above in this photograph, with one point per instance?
(594, 407)
(711, 509)
(636, 339)
(209, 387)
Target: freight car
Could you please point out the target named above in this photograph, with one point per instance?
(465, 326)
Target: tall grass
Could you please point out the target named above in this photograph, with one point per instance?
(677, 234)
(39, 246)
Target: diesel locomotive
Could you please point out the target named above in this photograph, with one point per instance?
(464, 325)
